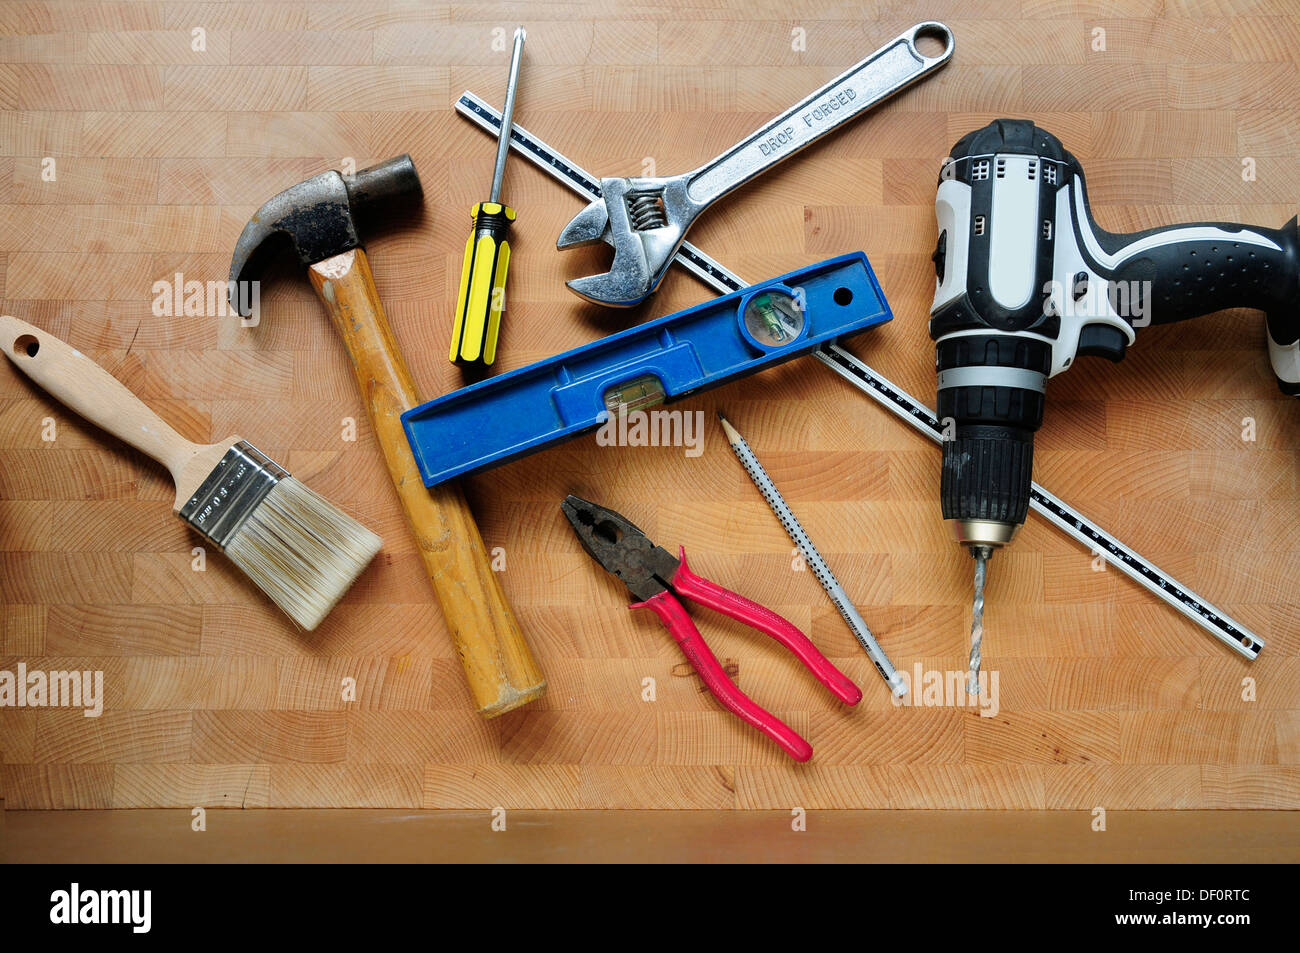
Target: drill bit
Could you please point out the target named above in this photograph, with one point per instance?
(857, 625)
(981, 555)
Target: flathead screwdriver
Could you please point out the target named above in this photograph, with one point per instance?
(481, 300)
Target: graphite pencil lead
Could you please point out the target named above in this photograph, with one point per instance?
(733, 435)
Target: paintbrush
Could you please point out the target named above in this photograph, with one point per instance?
(298, 548)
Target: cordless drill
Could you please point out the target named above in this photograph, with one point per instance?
(1027, 282)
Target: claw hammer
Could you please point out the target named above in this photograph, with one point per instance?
(319, 219)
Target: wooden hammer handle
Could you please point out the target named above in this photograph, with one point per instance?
(498, 664)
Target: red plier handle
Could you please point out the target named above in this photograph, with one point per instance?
(683, 630)
(733, 604)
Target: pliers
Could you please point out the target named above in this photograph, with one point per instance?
(658, 581)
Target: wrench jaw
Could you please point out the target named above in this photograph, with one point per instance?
(641, 255)
(588, 227)
(617, 288)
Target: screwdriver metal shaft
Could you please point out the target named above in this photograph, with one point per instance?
(507, 115)
(857, 625)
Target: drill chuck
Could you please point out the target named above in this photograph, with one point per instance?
(985, 486)
(991, 403)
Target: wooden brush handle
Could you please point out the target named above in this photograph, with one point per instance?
(92, 392)
(498, 664)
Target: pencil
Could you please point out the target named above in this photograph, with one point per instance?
(861, 631)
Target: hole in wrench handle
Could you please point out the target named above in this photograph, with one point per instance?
(933, 30)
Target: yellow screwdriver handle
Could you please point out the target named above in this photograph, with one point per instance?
(482, 296)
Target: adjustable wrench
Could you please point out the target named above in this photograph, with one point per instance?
(646, 219)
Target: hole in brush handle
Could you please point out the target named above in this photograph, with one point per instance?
(27, 344)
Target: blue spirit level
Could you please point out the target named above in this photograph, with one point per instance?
(525, 410)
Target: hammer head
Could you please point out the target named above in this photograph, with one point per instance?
(319, 218)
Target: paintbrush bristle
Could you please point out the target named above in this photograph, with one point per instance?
(301, 550)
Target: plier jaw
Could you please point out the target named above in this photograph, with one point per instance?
(621, 547)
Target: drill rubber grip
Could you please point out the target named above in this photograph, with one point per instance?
(481, 299)
(1199, 276)
(1192, 277)
(986, 475)
(988, 459)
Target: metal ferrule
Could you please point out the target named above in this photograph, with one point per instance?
(232, 492)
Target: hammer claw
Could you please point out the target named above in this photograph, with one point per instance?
(318, 219)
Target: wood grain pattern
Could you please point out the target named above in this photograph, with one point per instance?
(101, 399)
(161, 152)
